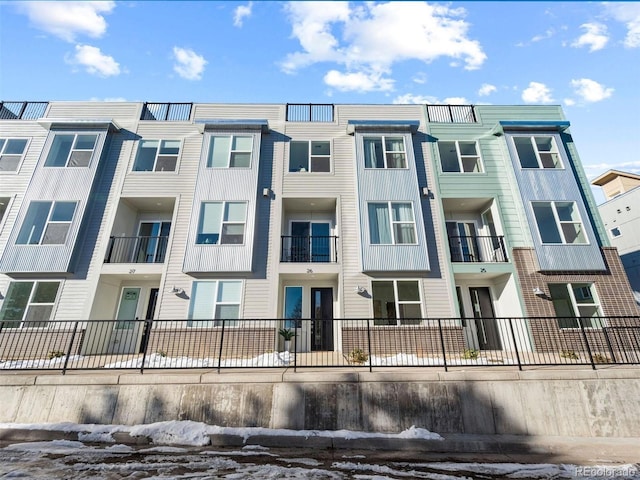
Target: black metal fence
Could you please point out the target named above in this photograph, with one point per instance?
(478, 249)
(451, 113)
(309, 249)
(169, 112)
(356, 343)
(309, 112)
(136, 250)
(22, 110)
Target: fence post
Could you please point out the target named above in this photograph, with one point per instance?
(369, 345)
(295, 347)
(66, 359)
(221, 343)
(606, 337)
(444, 352)
(515, 343)
(586, 342)
(147, 326)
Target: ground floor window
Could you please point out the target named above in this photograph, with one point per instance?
(396, 302)
(576, 300)
(29, 304)
(214, 301)
(292, 307)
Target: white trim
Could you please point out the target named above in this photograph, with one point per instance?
(155, 160)
(231, 137)
(398, 302)
(309, 158)
(384, 151)
(23, 156)
(555, 149)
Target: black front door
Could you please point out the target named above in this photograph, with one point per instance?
(487, 328)
(321, 319)
(151, 310)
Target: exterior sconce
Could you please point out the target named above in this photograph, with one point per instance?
(361, 290)
(266, 192)
(425, 191)
(177, 291)
(538, 292)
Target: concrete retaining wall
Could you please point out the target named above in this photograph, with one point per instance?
(580, 403)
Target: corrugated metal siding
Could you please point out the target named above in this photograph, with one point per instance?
(556, 185)
(490, 115)
(238, 111)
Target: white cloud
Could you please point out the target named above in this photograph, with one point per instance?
(94, 61)
(595, 37)
(410, 98)
(629, 14)
(486, 89)
(550, 32)
(537, 93)
(591, 91)
(370, 37)
(596, 169)
(67, 20)
(240, 13)
(420, 78)
(189, 64)
(569, 102)
(358, 81)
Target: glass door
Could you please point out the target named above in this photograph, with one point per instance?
(310, 241)
(321, 319)
(152, 237)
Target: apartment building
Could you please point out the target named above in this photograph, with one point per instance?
(389, 214)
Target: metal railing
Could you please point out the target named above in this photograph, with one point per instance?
(309, 112)
(300, 249)
(488, 249)
(451, 114)
(136, 250)
(367, 343)
(170, 112)
(22, 110)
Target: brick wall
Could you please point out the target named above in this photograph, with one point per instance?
(410, 340)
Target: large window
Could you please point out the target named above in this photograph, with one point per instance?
(157, 156)
(46, 223)
(11, 153)
(460, 156)
(222, 223)
(384, 152)
(28, 304)
(71, 150)
(396, 302)
(573, 300)
(230, 151)
(391, 223)
(537, 152)
(309, 156)
(215, 301)
(292, 307)
(559, 222)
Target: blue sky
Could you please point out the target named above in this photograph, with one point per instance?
(584, 56)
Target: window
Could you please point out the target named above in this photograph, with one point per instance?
(391, 223)
(222, 223)
(573, 300)
(396, 302)
(459, 156)
(46, 223)
(384, 152)
(71, 150)
(537, 152)
(231, 151)
(559, 222)
(615, 232)
(157, 156)
(309, 156)
(217, 300)
(11, 153)
(28, 304)
(292, 307)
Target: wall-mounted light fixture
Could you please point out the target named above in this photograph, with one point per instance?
(361, 290)
(177, 291)
(538, 292)
(266, 192)
(425, 191)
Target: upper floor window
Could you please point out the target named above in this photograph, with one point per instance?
(384, 152)
(615, 232)
(71, 150)
(559, 222)
(309, 156)
(392, 223)
(396, 302)
(230, 151)
(29, 304)
(157, 156)
(573, 300)
(218, 300)
(11, 153)
(46, 223)
(222, 223)
(537, 151)
(460, 156)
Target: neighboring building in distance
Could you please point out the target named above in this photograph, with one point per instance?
(621, 216)
(387, 213)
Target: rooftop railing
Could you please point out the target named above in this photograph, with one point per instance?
(22, 110)
(168, 112)
(451, 114)
(309, 112)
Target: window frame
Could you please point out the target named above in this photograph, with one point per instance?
(48, 221)
(292, 322)
(536, 151)
(29, 303)
(223, 222)
(383, 139)
(215, 322)
(393, 222)
(460, 157)
(72, 149)
(587, 322)
(158, 154)
(397, 303)
(231, 137)
(559, 223)
(310, 157)
(22, 155)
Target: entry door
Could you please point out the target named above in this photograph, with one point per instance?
(487, 328)
(152, 245)
(463, 241)
(124, 337)
(321, 319)
(311, 242)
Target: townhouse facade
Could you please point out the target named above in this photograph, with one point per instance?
(204, 214)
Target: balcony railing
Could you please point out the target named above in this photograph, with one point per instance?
(297, 249)
(136, 250)
(451, 114)
(22, 110)
(170, 112)
(366, 343)
(309, 112)
(478, 249)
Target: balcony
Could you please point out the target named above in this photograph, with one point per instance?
(470, 249)
(136, 250)
(304, 249)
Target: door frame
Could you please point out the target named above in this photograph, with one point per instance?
(491, 338)
(132, 340)
(326, 328)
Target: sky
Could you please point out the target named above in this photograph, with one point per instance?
(584, 56)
